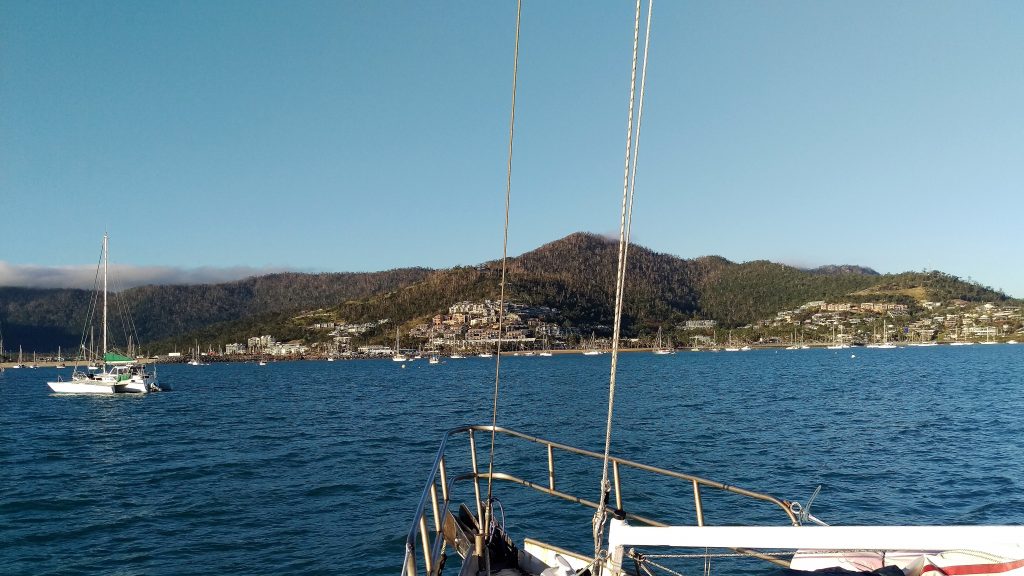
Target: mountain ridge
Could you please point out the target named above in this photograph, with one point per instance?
(574, 274)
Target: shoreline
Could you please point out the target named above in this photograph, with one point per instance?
(521, 353)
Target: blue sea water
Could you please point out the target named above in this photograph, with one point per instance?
(316, 467)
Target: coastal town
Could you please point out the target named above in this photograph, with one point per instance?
(473, 327)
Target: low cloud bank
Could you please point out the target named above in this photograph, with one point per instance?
(121, 276)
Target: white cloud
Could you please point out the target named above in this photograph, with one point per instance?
(83, 276)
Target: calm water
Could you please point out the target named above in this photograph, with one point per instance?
(315, 467)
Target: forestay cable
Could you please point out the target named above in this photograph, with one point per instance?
(485, 521)
(625, 224)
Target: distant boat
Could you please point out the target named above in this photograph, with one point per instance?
(456, 356)
(485, 355)
(19, 364)
(330, 358)
(885, 337)
(434, 359)
(988, 339)
(398, 357)
(547, 348)
(730, 347)
(793, 346)
(195, 361)
(800, 346)
(592, 349)
(836, 345)
(660, 348)
(118, 374)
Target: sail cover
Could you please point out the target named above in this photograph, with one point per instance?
(115, 358)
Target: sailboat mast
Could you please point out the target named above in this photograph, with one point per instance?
(104, 296)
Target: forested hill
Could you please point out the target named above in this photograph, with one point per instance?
(42, 319)
(575, 275)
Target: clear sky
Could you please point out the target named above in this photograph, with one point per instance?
(356, 136)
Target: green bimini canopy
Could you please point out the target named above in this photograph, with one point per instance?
(115, 358)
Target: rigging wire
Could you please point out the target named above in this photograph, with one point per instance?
(90, 315)
(625, 224)
(504, 260)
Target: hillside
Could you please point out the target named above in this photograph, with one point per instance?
(42, 319)
(575, 275)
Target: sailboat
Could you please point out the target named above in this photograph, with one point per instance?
(988, 338)
(118, 373)
(592, 349)
(547, 348)
(20, 364)
(730, 347)
(626, 542)
(398, 357)
(836, 344)
(885, 338)
(196, 357)
(659, 348)
(958, 342)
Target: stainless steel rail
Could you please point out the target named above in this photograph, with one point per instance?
(427, 537)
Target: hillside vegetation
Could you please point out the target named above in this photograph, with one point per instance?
(575, 275)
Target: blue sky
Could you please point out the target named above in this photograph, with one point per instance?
(352, 136)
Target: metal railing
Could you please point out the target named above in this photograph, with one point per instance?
(427, 537)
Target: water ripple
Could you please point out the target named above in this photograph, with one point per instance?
(314, 468)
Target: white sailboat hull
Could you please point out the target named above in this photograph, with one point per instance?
(78, 387)
(106, 383)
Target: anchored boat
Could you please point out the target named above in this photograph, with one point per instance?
(118, 373)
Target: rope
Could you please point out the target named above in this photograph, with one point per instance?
(642, 560)
(504, 259)
(736, 554)
(625, 223)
